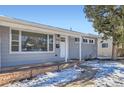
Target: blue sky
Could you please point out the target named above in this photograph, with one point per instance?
(59, 16)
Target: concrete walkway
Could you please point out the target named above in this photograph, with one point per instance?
(85, 77)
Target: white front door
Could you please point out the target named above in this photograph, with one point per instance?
(62, 47)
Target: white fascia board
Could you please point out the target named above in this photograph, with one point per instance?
(12, 22)
(24, 26)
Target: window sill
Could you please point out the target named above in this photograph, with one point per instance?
(35, 52)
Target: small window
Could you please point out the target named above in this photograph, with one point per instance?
(15, 40)
(105, 45)
(84, 40)
(91, 41)
(50, 42)
(62, 39)
(76, 39)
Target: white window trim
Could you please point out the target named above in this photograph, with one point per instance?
(47, 42)
(29, 52)
(20, 43)
(54, 42)
(10, 40)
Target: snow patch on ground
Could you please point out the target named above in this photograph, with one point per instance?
(50, 79)
(110, 73)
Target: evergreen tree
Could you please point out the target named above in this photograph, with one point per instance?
(108, 20)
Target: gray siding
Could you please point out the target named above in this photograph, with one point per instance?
(73, 48)
(7, 59)
(20, 59)
(88, 50)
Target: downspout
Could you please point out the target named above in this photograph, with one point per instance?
(80, 48)
(66, 49)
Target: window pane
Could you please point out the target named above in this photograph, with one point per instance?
(15, 43)
(105, 45)
(15, 35)
(76, 39)
(43, 42)
(62, 39)
(34, 41)
(85, 40)
(15, 48)
(15, 40)
(90, 41)
(50, 42)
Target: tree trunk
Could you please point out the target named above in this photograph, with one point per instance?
(114, 51)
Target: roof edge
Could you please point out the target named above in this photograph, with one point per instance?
(43, 25)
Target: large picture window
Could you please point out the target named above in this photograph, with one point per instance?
(30, 41)
(34, 41)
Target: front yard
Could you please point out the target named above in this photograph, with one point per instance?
(109, 74)
(90, 74)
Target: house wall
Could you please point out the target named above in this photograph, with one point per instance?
(73, 48)
(23, 58)
(105, 52)
(13, 59)
(0, 50)
(88, 50)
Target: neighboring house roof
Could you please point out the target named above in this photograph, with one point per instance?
(39, 25)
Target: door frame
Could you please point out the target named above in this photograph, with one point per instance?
(64, 46)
